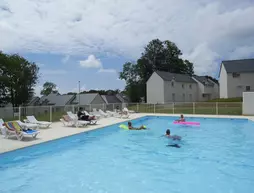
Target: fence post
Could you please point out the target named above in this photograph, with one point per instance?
(19, 112)
(50, 113)
(217, 110)
(90, 108)
(73, 109)
(154, 108)
(173, 108)
(193, 106)
(113, 107)
(137, 107)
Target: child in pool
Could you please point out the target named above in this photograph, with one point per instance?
(133, 128)
(174, 137)
(182, 119)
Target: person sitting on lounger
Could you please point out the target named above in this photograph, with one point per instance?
(133, 128)
(83, 116)
(182, 119)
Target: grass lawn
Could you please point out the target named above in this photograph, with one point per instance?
(198, 108)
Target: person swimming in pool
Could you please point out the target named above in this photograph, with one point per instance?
(133, 128)
(174, 137)
(182, 119)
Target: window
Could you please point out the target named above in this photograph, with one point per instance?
(182, 85)
(190, 86)
(247, 88)
(235, 75)
(172, 84)
(173, 97)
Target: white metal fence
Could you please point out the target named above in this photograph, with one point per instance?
(54, 113)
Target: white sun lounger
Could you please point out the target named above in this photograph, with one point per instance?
(27, 125)
(32, 119)
(103, 113)
(13, 128)
(2, 127)
(74, 120)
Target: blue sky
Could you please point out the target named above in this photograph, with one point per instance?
(90, 40)
(65, 71)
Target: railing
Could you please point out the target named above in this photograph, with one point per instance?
(54, 113)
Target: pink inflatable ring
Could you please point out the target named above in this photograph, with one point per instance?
(186, 123)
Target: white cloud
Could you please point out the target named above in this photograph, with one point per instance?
(53, 72)
(91, 62)
(65, 59)
(102, 70)
(223, 28)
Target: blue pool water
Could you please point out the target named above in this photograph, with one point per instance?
(217, 157)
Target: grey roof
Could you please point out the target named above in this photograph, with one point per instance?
(33, 101)
(246, 65)
(204, 80)
(85, 98)
(110, 99)
(167, 76)
(56, 99)
(123, 98)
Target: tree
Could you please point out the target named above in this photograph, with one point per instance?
(49, 88)
(18, 78)
(158, 55)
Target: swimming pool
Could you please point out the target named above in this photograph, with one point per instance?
(216, 157)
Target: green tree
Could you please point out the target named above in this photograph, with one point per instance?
(49, 88)
(18, 78)
(157, 55)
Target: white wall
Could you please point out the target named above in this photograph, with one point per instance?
(185, 94)
(248, 103)
(245, 79)
(223, 82)
(155, 89)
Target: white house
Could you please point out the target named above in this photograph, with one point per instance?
(207, 88)
(163, 87)
(236, 77)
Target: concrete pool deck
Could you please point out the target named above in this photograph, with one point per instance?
(57, 130)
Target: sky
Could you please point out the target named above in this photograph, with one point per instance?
(90, 40)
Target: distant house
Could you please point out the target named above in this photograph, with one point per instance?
(34, 101)
(111, 99)
(164, 87)
(123, 98)
(207, 88)
(236, 77)
(112, 102)
(89, 100)
(56, 100)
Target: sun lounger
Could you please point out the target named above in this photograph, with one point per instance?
(125, 113)
(2, 127)
(32, 119)
(13, 128)
(27, 125)
(72, 120)
(94, 113)
(91, 122)
(103, 113)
